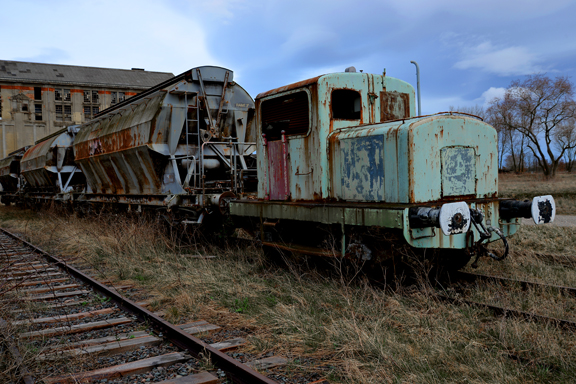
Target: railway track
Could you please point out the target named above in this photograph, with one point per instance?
(475, 278)
(81, 330)
(506, 311)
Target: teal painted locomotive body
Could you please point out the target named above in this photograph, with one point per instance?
(347, 150)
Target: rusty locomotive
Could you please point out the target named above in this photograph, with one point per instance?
(338, 165)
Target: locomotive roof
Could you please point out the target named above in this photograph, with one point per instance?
(69, 75)
(289, 87)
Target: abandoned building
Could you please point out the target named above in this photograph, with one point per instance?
(39, 99)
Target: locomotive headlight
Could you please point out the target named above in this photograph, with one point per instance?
(451, 218)
(542, 209)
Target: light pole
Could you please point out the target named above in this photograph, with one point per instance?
(418, 86)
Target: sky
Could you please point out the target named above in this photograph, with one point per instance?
(468, 51)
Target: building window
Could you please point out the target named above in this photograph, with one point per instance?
(59, 111)
(62, 94)
(63, 112)
(24, 106)
(117, 97)
(37, 93)
(91, 103)
(90, 111)
(67, 112)
(38, 112)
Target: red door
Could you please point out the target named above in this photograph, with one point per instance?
(278, 169)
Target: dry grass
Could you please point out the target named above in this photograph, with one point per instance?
(347, 331)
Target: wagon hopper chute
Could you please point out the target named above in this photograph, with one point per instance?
(10, 179)
(186, 142)
(49, 167)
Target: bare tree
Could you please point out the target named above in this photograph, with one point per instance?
(566, 139)
(476, 110)
(539, 108)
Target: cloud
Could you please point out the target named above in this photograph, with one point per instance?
(307, 37)
(144, 34)
(460, 103)
(491, 94)
(510, 61)
(510, 10)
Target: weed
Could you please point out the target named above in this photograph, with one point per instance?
(173, 314)
(271, 300)
(141, 277)
(241, 305)
(101, 299)
(205, 361)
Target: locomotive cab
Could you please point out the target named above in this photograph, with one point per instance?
(346, 152)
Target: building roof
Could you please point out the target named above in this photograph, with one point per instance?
(23, 72)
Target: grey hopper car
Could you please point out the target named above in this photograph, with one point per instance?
(186, 142)
(10, 179)
(49, 166)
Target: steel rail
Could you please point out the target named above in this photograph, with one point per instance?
(508, 312)
(25, 374)
(565, 260)
(237, 372)
(472, 277)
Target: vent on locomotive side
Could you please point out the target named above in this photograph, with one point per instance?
(288, 113)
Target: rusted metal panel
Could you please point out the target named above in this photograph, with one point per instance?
(458, 171)
(394, 105)
(10, 171)
(414, 171)
(277, 171)
(428, 136)
(5, 165)
(50, 163)
(362, 168)
(326, 213)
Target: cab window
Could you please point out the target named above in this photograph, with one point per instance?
(346, 104)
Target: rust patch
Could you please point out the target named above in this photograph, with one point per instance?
(394, 105)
